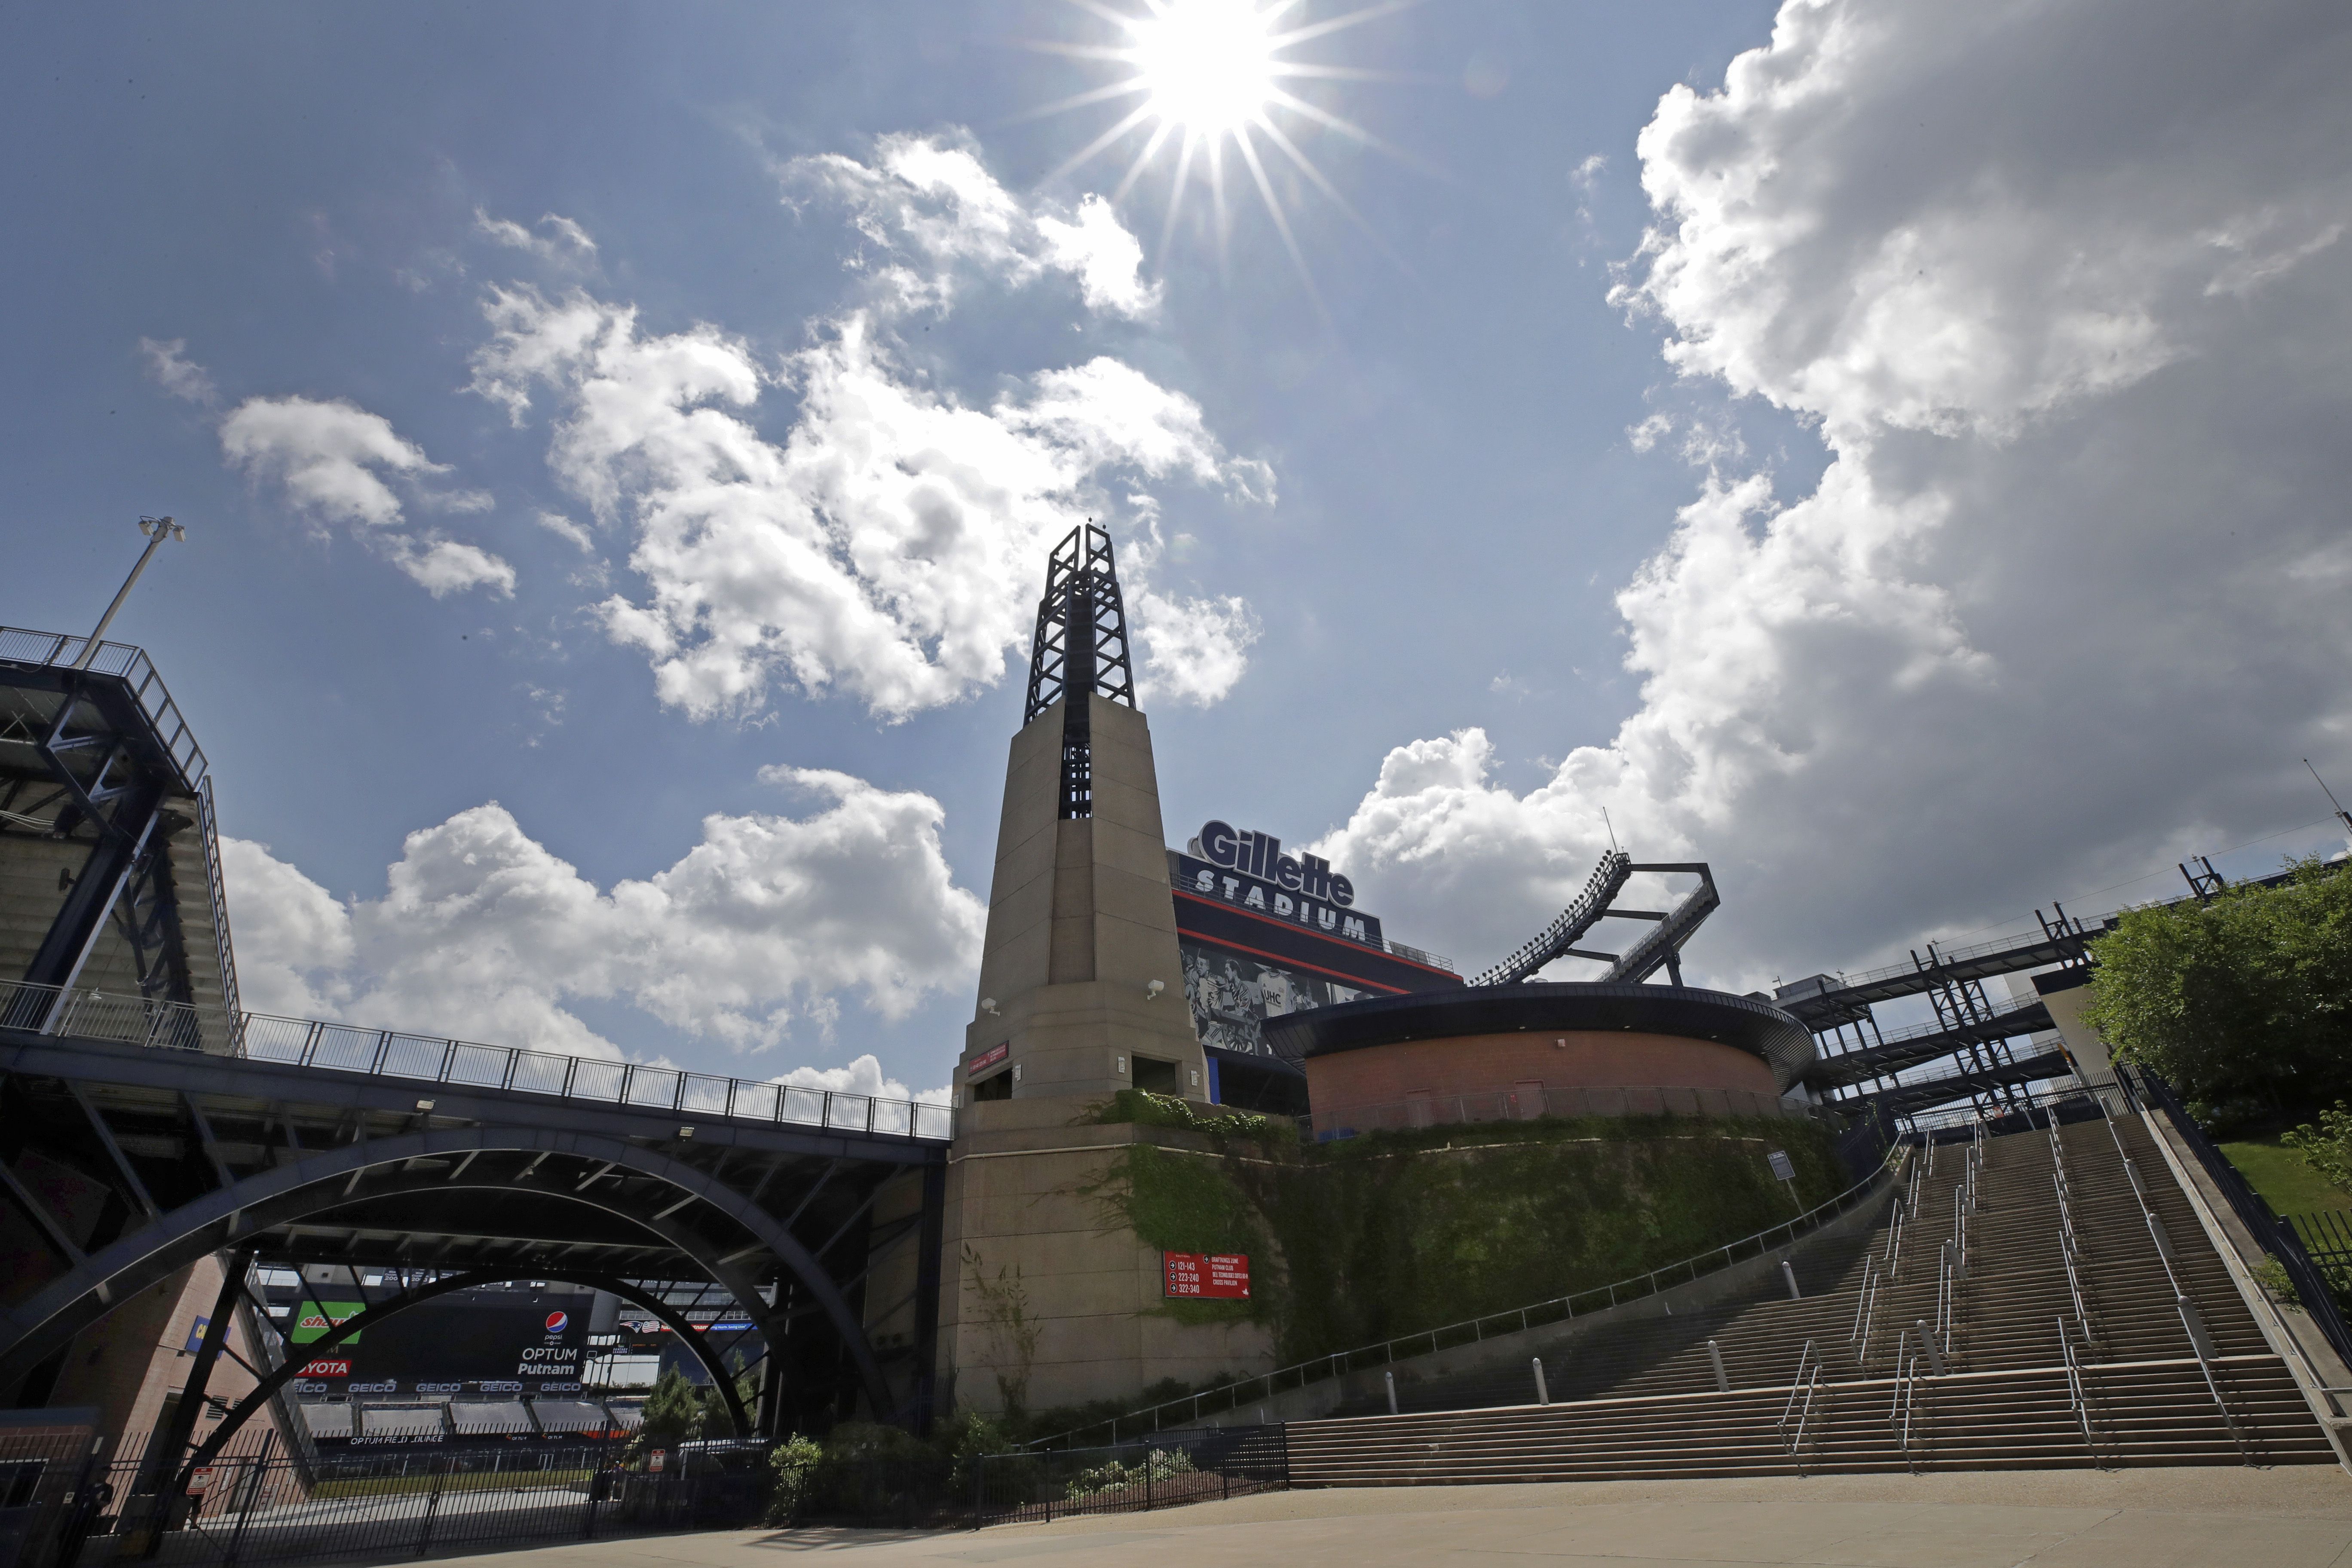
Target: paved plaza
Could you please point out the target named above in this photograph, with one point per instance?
(2296, 1516)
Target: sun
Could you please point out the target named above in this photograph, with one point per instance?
(1205, 65)
(1206, 79)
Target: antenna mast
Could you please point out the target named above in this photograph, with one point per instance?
(2342, 817)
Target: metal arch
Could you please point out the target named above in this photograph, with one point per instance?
(337, 1333)
(39, 1326)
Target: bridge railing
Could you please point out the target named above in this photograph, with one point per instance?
(43, 649)
(389, 1052)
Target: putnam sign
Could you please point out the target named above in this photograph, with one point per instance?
(1206, 1277)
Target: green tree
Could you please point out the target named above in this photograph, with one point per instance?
(2245, 999)
(2326, 1148)
(676, 1412)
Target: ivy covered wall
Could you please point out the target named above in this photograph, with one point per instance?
(1358, 1241)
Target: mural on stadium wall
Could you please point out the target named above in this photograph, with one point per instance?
(1231, 996)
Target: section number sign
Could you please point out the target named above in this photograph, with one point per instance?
(1213, 1276)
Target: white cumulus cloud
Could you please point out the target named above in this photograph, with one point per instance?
(338, 463)
(890, 545)
(169, 367)
(555, 237)
(750, 939)
(2060, 606)
(937, 217)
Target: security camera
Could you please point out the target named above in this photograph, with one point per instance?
(988, 1006)
(1153, 990)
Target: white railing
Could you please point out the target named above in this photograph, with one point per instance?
(389, 1052)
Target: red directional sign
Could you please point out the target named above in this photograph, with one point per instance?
(1213, 1276)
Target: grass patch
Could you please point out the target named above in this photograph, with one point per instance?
(2284, 1177)
(467, 1482)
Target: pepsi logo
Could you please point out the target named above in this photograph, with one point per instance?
(557, 1322)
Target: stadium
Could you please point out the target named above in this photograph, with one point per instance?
(1222, 1156)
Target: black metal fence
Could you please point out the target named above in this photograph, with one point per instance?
(261, 1504)
(1161, 1471)
(2325, 1235)
(2312, 1286)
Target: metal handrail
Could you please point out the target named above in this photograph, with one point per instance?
(2191, 1323)
(2069, 1243)
(1797, 1384)
(1812, 1387)
(1906, 1393)
(1903, 1211)
(19, 645)
(1922, 1122)
(1800, 1386)
(132, 1019)
(1863, 1297)
(1563, 1308)
(2082, 1405)
(1946, 1300)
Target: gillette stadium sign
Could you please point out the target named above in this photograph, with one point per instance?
(1250, 872)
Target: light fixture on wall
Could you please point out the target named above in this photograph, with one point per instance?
(988, 1006)
(1152, 992)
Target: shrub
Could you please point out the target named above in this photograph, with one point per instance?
(2327, 1147)
(793, 1465)
(1159, 1465)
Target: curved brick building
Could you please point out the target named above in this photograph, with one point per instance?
(1517, 1052)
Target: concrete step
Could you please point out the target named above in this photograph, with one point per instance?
(1643, 1399)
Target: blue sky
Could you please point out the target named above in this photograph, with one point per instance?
(1902, 462)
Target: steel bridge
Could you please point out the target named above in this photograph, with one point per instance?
(147, 1120)
(1863, 1070)
(299, 1142)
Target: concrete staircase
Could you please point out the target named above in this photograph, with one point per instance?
(2018, 1377)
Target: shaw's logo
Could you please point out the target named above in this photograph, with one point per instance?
(557, 1322)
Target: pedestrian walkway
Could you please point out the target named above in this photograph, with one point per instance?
(2292, 1517)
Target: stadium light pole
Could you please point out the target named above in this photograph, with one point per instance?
(157, 529)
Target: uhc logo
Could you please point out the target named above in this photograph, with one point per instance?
(557, 1322)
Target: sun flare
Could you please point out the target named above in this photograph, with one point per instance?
(1207, 78)
(1205, 65)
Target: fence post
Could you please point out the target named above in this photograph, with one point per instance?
(979, 1490)
(432, 1506)
(252, 1497)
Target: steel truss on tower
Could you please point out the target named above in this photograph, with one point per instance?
(1080, 647)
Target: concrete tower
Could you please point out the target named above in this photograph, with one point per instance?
(1081, 988)
(1081, 995)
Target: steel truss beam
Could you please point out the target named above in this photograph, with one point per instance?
(298, 1357)
(322, 1182)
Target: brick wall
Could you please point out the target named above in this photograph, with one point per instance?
(1559, 1059)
